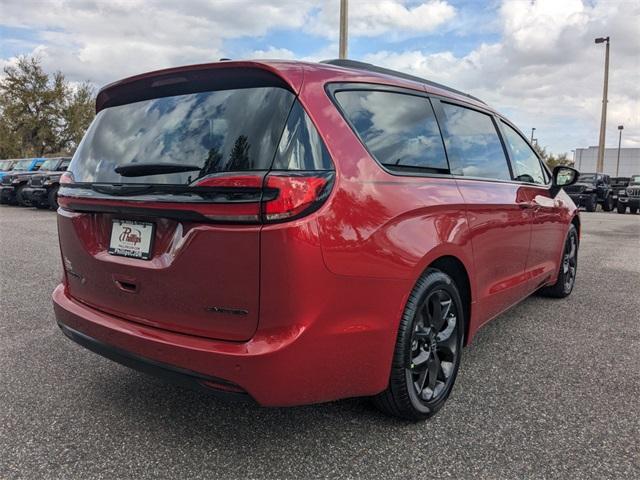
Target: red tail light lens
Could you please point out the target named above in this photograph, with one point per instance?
(66, 178)
(297, 194)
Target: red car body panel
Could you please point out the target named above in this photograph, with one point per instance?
(324, 294)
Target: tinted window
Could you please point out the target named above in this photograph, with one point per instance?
(218, 131)
(301, 148)
(399, 130)
(526, 165)
(473, 144)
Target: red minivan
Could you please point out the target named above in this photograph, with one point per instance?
(297, 232)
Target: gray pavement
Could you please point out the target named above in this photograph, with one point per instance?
(550, 389)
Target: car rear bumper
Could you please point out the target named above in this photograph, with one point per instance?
(292, 366)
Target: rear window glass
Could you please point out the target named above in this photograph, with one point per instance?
(218, 131)
(301, 147)
(473, 144)
(399, 130)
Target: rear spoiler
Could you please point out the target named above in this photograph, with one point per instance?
(200, 78)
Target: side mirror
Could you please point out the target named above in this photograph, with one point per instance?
(563, 177)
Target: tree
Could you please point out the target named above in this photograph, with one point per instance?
(41, 114)
(550, 159)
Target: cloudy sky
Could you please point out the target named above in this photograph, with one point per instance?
(535, 61)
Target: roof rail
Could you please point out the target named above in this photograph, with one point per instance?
(353, 64)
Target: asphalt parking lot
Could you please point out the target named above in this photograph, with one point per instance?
(551, 389)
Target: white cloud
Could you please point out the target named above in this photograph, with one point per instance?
(392, 17)
(546, 72)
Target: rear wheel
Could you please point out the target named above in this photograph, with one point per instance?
(568, 268)
(52, 197)
(428, 349)
(621, 208)
(607, 205)
(591, 203)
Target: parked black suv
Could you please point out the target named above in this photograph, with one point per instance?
(14, 189)
(42, 188)
(590, 190)
(630, 196)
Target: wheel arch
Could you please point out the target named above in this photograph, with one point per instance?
(456, 269)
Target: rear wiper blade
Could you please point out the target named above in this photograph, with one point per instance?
(144, 169)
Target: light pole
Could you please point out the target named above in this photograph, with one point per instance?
(533, 129)
(620, 128)
(344, 16)
(603, 118)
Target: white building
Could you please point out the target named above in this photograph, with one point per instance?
(586, 159)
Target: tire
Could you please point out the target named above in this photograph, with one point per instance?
(568, 268)
(52, 197)
(633, 210)
(607, 205)
(621, 208)
(591, 203)
(431, 331)
(20, 200)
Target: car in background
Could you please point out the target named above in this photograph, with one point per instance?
(14, 182)
(6, 166)
(301, 232)
(591, 190)
(630, 196)
(42, 186)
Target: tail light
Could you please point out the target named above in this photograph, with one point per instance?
(297, 194)
(268, 198)
(66, 178)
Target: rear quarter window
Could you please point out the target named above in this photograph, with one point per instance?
(399, 130)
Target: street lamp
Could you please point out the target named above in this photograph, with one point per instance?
(344, 26)
(620, 128)
(533, 129)
(603, 117)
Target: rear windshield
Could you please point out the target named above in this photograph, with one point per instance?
(218, 131)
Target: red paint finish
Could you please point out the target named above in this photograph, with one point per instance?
(322, 294)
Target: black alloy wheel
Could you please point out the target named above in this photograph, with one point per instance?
(568, 268)
(434, 346)
(428, 349)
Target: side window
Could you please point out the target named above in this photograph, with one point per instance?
(64, 165)
(525, 163)
(301, 147)
(473, 144)
(399, 130)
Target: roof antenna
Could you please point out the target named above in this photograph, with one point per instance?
(224, 59)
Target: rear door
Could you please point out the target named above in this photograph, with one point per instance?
(498, 213)
(160, 208)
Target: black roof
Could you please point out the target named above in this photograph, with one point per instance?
(353, 64)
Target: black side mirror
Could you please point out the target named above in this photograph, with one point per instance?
(563, 177)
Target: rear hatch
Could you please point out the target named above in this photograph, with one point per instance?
(163, 203)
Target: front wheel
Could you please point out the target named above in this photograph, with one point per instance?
(52, 197)
(633, 210)
(621, 208)
(568, 268)
(428, 349)
(607, 205)
(591, 203)
(20, 200)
